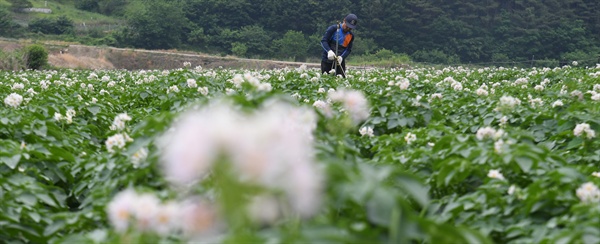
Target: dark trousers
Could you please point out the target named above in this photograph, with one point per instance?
(327, 66)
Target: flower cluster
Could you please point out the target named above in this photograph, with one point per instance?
(118, 141)
(119, 122)
(489, 132)
(354, 102)
(495, 174)
(145, 212)
(68, 116)
(588, 193)
(271, 148)
(584, 128)
(508, 103)
(410, 138)
(366, 131)
(13, 100)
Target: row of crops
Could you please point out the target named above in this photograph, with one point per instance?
(452, 155)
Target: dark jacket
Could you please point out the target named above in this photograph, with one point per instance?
(330, 39)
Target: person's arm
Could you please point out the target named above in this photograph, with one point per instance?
(326, 37)
(348, 50)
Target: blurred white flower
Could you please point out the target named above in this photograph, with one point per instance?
(71, 113)
(588, 193)
(503, 121)
(489, 132)
(557, 103)
(145, 211)
(187, 64)
(403, 84)
(31, 91)
(167, 218)
(410, 138)
(481, 92)
(354, 102)
(119, 121)
(191, 83)
(584, 128)
(17, 86)
(264, 87)
(539, 88)
(173, 88)
(324, 107)
(58, 116)
(366, 131)
(198, 219)
(574, 63)
(498, 146)
(264, 209)
(203, 90)
(495, 174)
(512, 189)
(121, 210)
(117, 140)
(508, 103)
(13, 100)
(436, 96)
(596, 174)
(139, 156)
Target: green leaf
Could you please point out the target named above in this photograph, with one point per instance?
(382, 110)
(54, 227)
(11, 162)
(46, 199)
(60, 153)
(380, 207)
(94, 109)
(27, 199)
(418, 191)
(41, 130)
(392, 123)
(524, 162)
(35, 216)
(575, 143)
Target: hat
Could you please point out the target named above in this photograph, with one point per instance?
(351, 21)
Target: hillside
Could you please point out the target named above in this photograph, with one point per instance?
(82, 19)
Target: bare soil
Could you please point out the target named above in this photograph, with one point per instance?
(74, 56)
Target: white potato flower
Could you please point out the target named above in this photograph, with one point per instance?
(13, 100)
(366, 131)
(588, 193)
(495, 174)
(584, 128)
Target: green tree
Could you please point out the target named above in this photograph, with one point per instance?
(155, 25)
(54, 26)
(292, 45)
(8, 28)
(257, 39)
(19, 4)
(37, 56)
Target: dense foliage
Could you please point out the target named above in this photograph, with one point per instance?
(525, 32)
(449, 155)
(37, 56)
(56, 26)
(430, 31)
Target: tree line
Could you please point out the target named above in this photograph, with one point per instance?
(435, 31)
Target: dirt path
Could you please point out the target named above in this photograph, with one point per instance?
(90, 57)
(75, 56)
